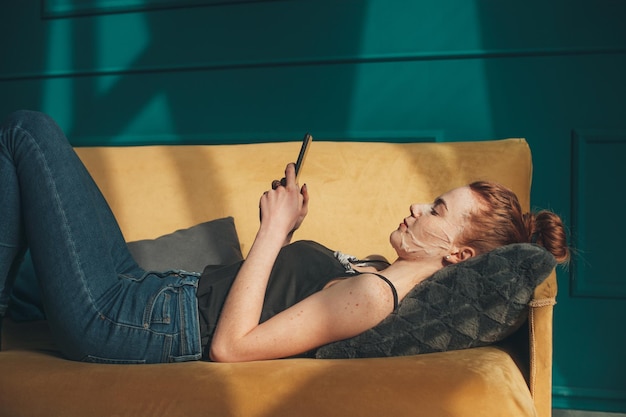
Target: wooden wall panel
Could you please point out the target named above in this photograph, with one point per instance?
(598, 201)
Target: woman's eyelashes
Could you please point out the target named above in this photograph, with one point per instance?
(433, 209)
(438, 206)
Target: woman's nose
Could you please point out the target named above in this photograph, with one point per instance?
(416, 210)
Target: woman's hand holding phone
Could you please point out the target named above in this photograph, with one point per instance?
(304, 150)
(284, 208)
(289, 183)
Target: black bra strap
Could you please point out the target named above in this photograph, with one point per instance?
(393, 289)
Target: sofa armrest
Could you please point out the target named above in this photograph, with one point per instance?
(540, 316)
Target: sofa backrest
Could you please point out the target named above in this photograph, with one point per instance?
(360, 192)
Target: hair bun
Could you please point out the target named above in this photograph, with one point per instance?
(549, 232)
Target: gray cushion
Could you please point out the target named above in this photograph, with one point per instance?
(211, 243)
(474, 303)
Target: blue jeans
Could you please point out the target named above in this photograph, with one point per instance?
(101, 306)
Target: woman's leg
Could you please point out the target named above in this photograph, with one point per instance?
(96, 297)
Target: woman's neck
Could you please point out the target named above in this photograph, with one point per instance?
(406, 274)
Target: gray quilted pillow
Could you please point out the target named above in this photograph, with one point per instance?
(470, 304)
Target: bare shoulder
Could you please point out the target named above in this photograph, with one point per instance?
(370, 289)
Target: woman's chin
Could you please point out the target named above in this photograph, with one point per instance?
(396, 241)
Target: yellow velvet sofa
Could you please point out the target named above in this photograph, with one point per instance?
(359, 193)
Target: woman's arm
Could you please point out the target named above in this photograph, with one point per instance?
(280, 208)
(343, 310)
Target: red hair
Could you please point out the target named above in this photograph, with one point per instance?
(500, 221)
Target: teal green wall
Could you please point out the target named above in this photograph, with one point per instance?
(162, 71)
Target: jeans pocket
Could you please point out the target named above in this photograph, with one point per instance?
(160, 308)
(97, 359)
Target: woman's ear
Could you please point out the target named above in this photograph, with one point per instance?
(461, 254)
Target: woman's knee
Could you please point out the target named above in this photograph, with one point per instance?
(29, 119)
(33, 125)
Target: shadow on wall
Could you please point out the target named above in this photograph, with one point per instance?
(214, 74)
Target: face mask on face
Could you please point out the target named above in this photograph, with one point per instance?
(430, 237)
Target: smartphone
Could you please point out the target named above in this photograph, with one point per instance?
(306, 142)
(304, 149)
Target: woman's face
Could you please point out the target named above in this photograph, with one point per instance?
(431, 229)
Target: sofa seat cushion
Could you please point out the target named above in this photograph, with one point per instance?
(487, 379)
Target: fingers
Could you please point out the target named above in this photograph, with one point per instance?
(304, 191)
(289, 178)
(286, 205)
(305, 194)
